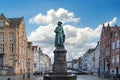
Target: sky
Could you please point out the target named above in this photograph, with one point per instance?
(82, 21)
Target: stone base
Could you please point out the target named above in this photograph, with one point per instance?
(60, 65)
(59, 71)
(59, 77)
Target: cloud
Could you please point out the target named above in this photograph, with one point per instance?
(42, 34)
(53, 16)
(78, 40)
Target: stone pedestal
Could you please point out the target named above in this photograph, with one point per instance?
(60, 71)
(60, 65)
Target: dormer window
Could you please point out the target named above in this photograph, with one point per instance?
(2, 24)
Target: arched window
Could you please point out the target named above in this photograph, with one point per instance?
(11, 36)
(1, 37)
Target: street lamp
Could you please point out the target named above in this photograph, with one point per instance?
(99, 67)
(28, 65)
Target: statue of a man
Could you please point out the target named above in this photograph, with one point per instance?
(60, 36)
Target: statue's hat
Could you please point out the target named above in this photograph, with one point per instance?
(59, 22)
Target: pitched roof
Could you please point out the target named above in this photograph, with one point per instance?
(2, 16)
(15, 21)
(34, 47)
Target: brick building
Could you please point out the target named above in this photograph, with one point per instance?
(69, 64)
(13, 45)
(30, 58)
(115, 50)
(36, 51)
(109, 50)
(75, 64)
(105, 48)
(42, 62)
(80, 63)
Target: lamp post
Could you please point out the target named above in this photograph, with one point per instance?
(108, 66)
(28, 68)
(99, 67)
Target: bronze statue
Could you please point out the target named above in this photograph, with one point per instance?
(59, 69)
(60, 36)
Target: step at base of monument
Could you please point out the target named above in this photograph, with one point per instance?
(59, 77)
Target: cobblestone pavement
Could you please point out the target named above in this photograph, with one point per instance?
(79, 77)
(17, 77)
(89, 77)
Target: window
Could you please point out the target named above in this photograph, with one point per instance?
(10, 62)
(11, 36)
(113, 45)
(113, 61)
(1, 62)
(2, 24)
(24, 62)
(20, 50)
(93, 59)
(11, 48)
(20, 41)
(20, 62)
(23, 50)
(117, 58)
(1, 37)
(117, 43)
(1, 47)
(115, 34)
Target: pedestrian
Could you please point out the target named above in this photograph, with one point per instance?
(28, 75)
(8, 79)
(23, 76)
